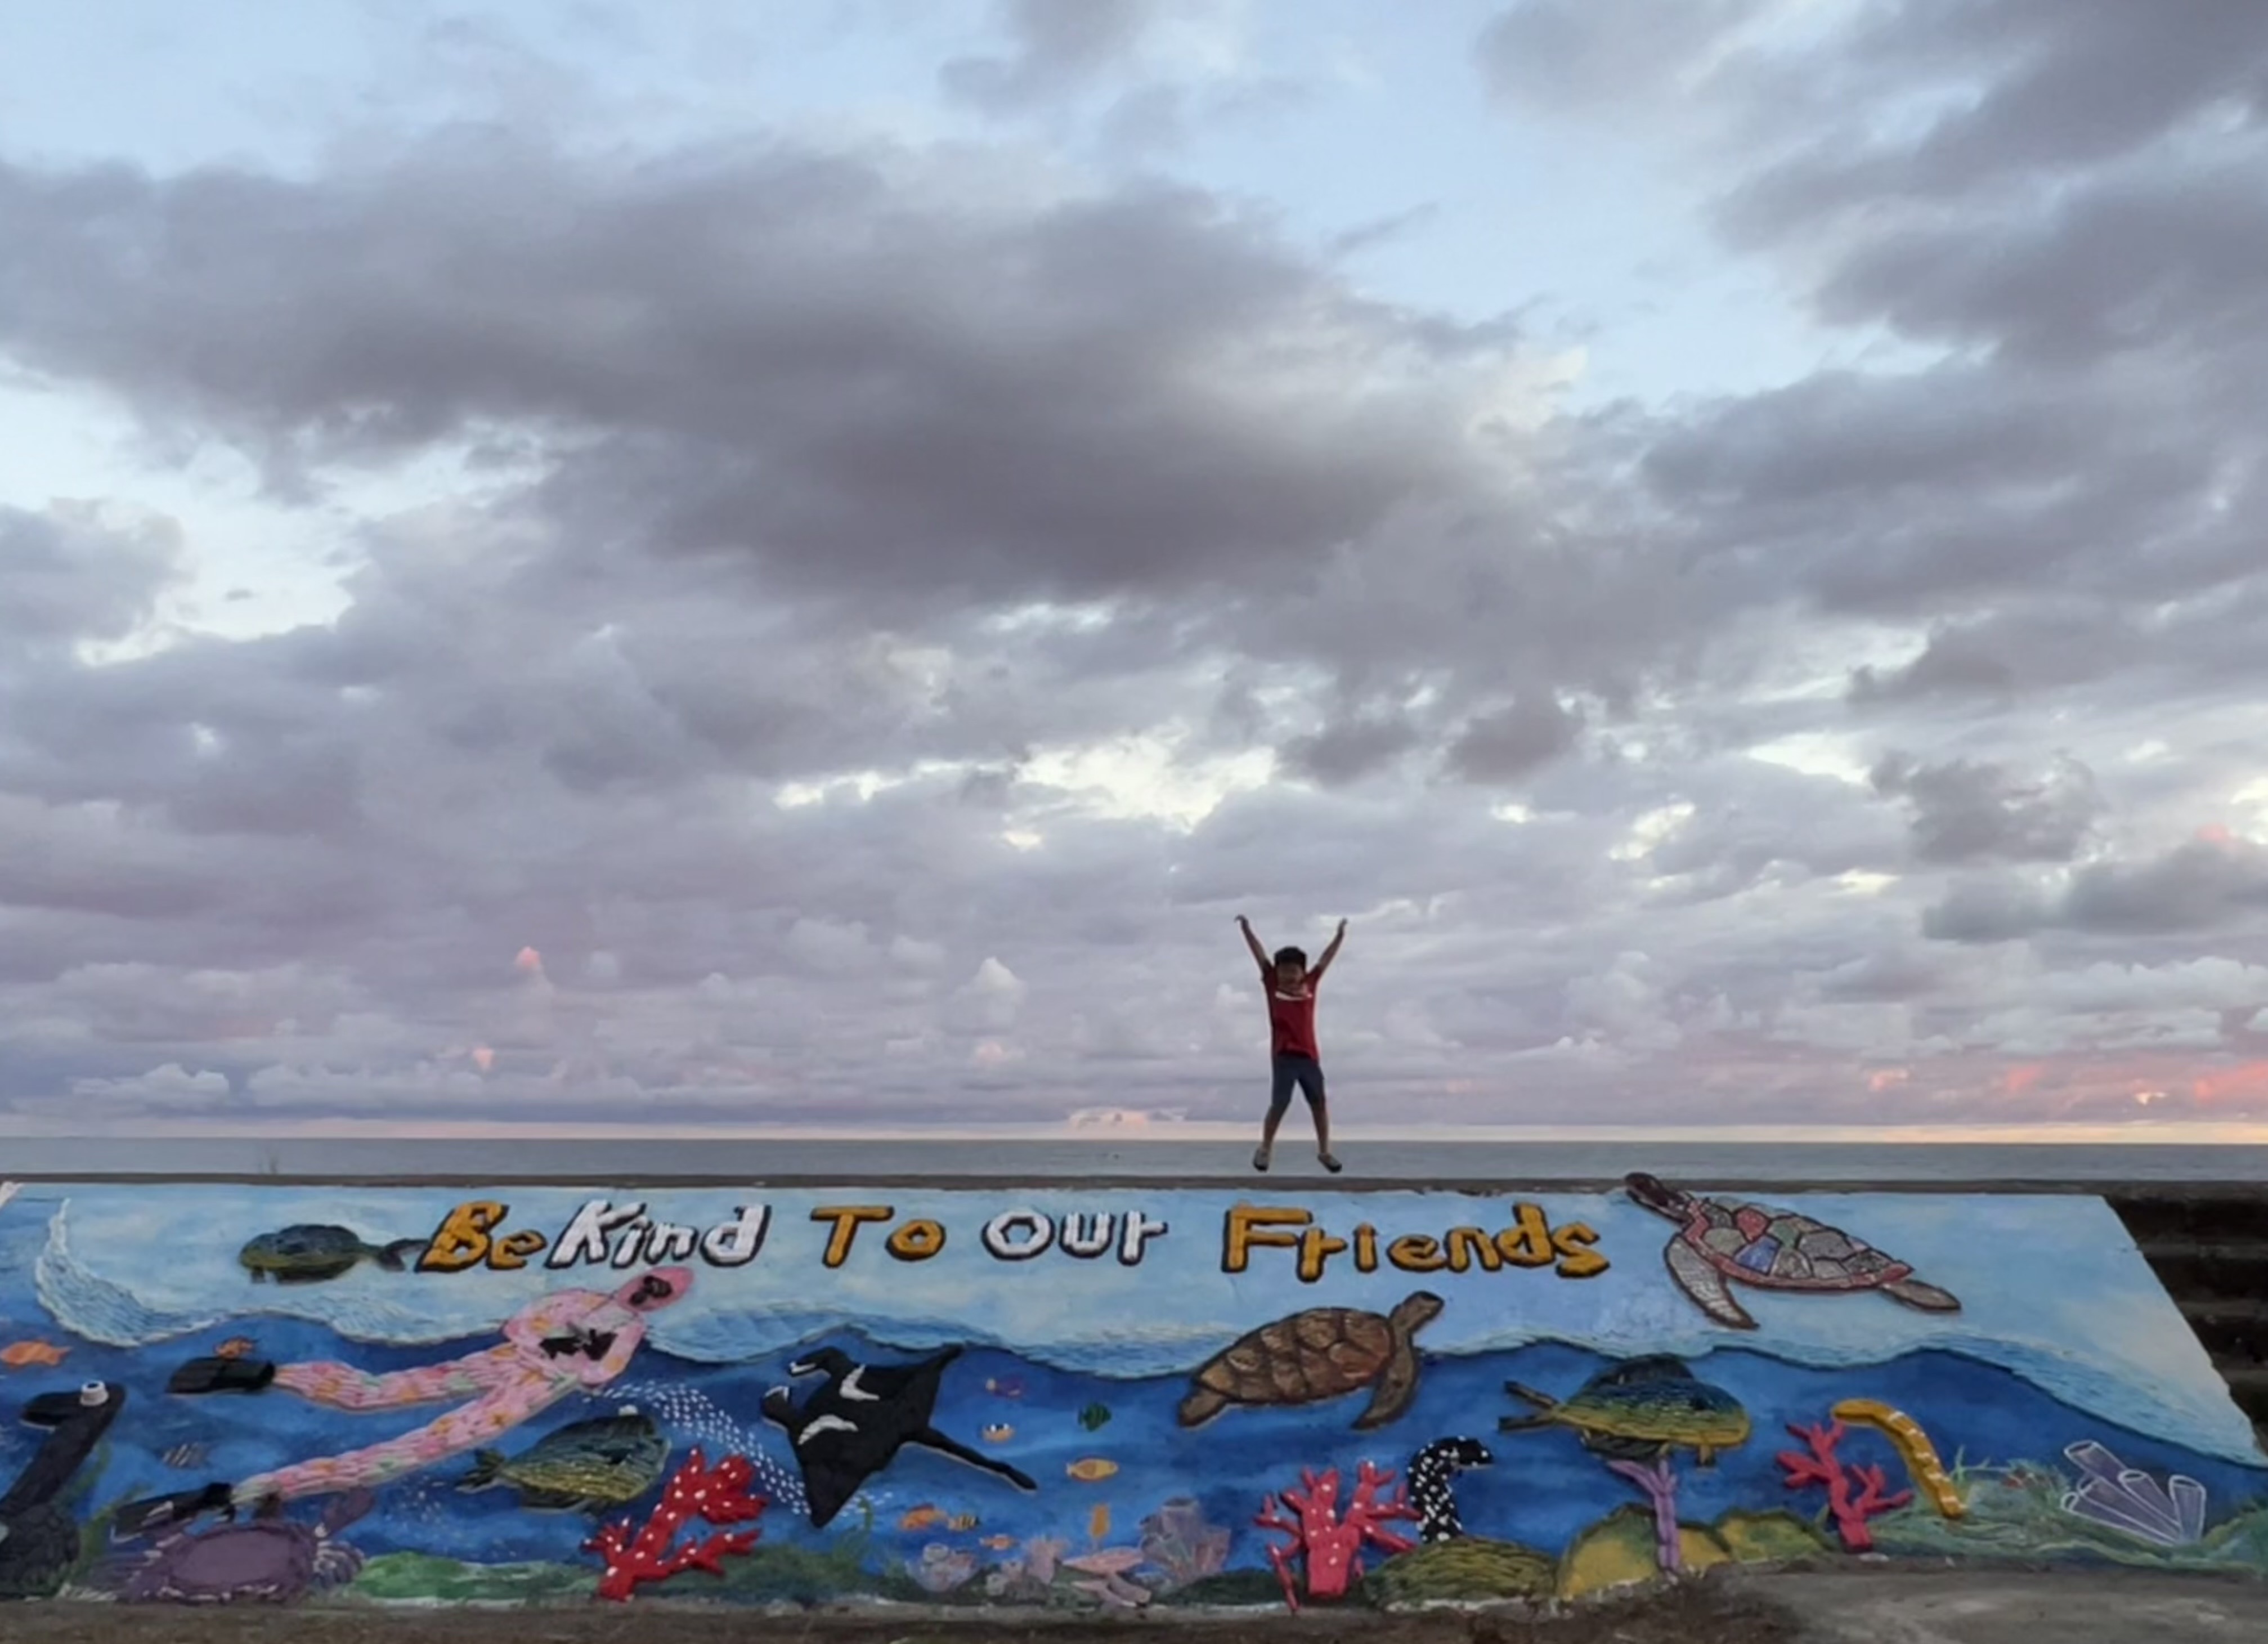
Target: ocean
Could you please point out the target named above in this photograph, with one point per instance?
(1104, 1155)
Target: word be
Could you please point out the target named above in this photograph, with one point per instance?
(1530, 1241)
(1014, 1235)
(601, 1234)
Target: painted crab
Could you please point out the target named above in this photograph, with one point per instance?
(268, 1558)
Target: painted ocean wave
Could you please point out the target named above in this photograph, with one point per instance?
(110, 1311)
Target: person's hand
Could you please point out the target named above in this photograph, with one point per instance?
(1242, 924)
(1343, 927)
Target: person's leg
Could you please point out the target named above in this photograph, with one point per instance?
(1311, 1086)
(1279, 1103)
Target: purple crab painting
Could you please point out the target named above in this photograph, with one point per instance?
(266, 1559)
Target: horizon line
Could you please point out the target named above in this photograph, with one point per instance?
(2138, 1132)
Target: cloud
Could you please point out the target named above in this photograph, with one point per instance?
(1968, 812)
(2203, 885)
(803, 359)
(75, 576)
(1055, 47)
(1507, 742)
(866, 615)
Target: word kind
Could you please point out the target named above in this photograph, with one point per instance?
(1530, 1241)
(601, 1234)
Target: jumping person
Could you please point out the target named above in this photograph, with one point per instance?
(1290, 989)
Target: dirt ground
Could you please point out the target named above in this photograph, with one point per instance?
(1867, 1606)
(1701, 1613)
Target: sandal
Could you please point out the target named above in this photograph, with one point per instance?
(1260, 1158)
(1330, 1163)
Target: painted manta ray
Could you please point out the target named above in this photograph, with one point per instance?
(849, 1429)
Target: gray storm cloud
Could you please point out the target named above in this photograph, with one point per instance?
(904, 598)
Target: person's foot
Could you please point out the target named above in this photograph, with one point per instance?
(1260, 1157)
(1330, 1163)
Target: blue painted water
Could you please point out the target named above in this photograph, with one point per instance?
(1543, 1488)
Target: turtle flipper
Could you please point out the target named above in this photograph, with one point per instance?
(1706, 1285)
(1396, 1385)
(1928, 1298)
(1202, 1405)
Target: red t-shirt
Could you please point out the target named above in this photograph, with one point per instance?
(1290, 1020)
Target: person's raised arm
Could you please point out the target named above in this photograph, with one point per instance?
(1259, 954)
(1329, 953)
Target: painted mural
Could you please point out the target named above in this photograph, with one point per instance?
(1115, 1400)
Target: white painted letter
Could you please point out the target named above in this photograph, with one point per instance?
(585, 1237)
(1012, 1246)
(666, 1241)
(1080, 1240)
(735, 1245)
(1140, 1230)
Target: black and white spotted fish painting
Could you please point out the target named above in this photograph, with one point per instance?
(1432, 1492)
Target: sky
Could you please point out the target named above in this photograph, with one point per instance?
(801, 565)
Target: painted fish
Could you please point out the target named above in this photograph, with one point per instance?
(1091, 1469)
(186, 1456)
(998, 1544)
(601, 1462)
(1003, 1386)
(1098, 1523)
(308, 1253)
(235, 1347)
(1640, 1410)
(962, 1522)
(922, 1517)
(17, 1354)
(998, 1433)
(1094, 1416)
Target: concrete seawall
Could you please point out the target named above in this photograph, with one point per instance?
(1114, 1391)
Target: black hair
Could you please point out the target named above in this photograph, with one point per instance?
(1291, 956)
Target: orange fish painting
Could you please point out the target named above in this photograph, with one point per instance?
(921, 1517)
(235, 1347)
(17, 1354)
(1091, 1469)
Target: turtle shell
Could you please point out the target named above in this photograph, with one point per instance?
(1311, 1355)
(1781, 1249)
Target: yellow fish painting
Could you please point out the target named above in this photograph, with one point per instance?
(1091, 1469)
(961, 1520)
(1098, 1523)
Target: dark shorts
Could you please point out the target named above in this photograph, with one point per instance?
(1303, 1071)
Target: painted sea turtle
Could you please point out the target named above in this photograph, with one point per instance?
(1318, 1354)
(1723, 1242)
(268, 1558)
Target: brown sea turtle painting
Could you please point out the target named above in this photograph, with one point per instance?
(1722, 1243)
(1323, 1353)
